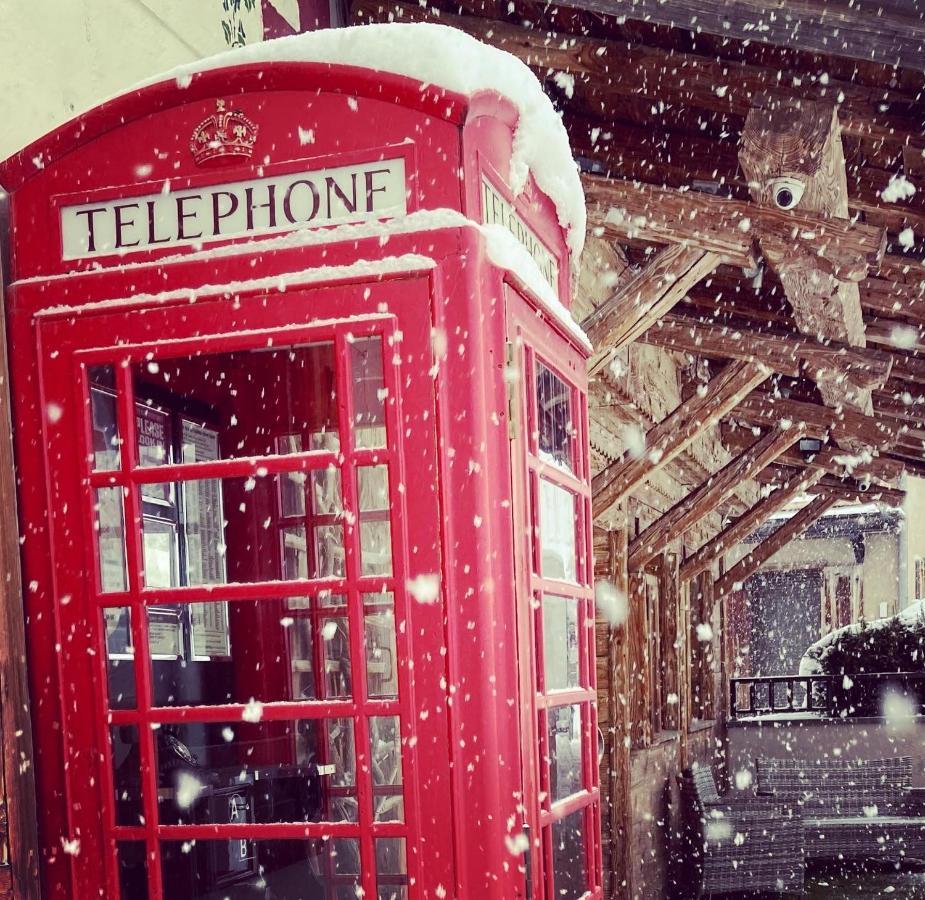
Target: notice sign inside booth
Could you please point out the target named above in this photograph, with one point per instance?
(278, 203)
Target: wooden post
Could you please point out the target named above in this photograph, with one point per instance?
(702, 501)
(676, 432)
(621, 887)
(780, 537)
(15, 723)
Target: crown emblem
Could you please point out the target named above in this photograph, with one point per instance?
(225, 136)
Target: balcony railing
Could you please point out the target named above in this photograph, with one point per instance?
(841, 696)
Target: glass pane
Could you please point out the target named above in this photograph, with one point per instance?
(126, 774)
(560, 643)
(247, 403)
(120, 657)
(391, 869)
(554, 418)
(369, 392)
(230, 530)
(110, 539)
(104, 426)
(569, 859)
(381, 653)
(385, 753)
(375, 529)
(557, 532)
(337, 675)
(249, 869)
(564, 730)
(257, 771)
(242, 650)
(133, 870)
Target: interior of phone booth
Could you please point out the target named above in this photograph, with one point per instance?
(281, 527)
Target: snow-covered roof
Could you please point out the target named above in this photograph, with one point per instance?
(450, 59)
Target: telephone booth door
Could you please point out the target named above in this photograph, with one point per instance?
(555, 610)
(232, 544)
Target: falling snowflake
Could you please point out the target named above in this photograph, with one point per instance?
(425, 588)
(253, 712)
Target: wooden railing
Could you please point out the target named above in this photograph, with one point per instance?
(843, 696)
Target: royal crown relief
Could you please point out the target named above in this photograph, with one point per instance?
(270, 204)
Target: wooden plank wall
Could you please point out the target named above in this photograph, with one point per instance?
(20, 877)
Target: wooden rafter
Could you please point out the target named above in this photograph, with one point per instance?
(620, 70)
(786, 353)
(779, 538)
(646, 296)
(765, 410)
(891, 33)
(706, 498)
(729, 227)
(669, 438)
(748, 522)
(856, 492)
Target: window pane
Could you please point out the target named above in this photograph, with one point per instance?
(120, 657)
(104, 426)
(381, 653)
(385, 752)
(230, 530)
(391, 869)
(110, 537)
(246, 403)
(133, 870)
(554, 418)
(249, 869)
(557, 532)
(569, 860)
(375, 529)
(126, 774)
(246, 771)
(369, 392)
(560, 643)
(564, 731)
(268, 650)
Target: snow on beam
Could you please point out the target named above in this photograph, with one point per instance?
(673, 434)
(791, 152)
(730, 228)
(747, 523)
(780, 537)
(648, 295)
(705, 499)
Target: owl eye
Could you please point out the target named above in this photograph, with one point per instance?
(787, 192)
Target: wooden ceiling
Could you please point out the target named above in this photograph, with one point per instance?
(655, 97)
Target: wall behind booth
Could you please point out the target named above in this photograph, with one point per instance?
(60, 58)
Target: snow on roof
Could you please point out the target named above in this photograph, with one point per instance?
(450, 59)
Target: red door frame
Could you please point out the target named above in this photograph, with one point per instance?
(72, 339)
(531, 340)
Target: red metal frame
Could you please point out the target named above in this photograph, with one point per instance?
(459, 493)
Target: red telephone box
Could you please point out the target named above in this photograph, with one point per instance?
(304, 497)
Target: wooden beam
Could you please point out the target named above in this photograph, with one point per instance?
(620, 71)
(845, 425)
(793, 149)
(779, 538)
(890, 34)
(16, 747)
(727, 227)
(778, 474)
(745, 524)
(670, 437)
(885, 469)
(702, 501)
(647, 296)
(785, 352)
